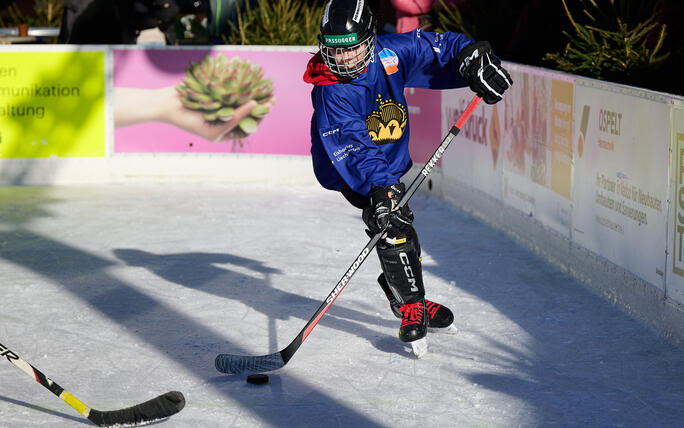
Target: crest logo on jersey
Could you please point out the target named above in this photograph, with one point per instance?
(386, 124)
(390, 60)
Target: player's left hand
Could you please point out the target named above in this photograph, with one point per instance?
(484, 73)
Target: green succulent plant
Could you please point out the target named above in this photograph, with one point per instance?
(217, 86)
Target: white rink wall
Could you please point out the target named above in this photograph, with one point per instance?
(228, 168)
(586, 173)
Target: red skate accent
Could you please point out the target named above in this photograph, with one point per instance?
(412, 313)
(432, 308)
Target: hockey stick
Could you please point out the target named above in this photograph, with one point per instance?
(236, 364)
(157, 408)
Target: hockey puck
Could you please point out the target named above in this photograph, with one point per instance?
(257, 379)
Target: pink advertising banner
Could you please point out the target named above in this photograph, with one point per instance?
(211, 101)
(425, 114)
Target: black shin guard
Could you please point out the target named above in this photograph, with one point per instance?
(400, 260)
(394, 303)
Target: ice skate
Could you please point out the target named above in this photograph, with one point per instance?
(440, 318)
(450, 329)
(413, 328)
(413, 321)
(420, 347)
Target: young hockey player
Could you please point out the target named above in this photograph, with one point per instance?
(360, 134)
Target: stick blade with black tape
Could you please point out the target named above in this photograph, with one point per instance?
(158, 408)
(144, 413)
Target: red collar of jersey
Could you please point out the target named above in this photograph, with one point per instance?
(318, 74)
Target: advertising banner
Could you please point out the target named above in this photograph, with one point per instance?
(537, 145)
(621, 177)
(473, 158)
(211, 101)
(675, 260)
(425, 117)
(52, 104)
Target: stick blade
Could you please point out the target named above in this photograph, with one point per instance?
(153, 410)
(238, 364)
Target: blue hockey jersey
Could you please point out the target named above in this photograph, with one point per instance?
(359, 128)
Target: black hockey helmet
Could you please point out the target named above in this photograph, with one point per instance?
(347, 39)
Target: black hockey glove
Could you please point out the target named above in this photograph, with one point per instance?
(383, 212)
(483, 72)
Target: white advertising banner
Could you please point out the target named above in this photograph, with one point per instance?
(537, 145)
(473, 158)
(621, 176)
(675, 259)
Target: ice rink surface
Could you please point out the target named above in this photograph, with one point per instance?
(123, 292)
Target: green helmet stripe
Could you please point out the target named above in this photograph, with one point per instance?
(343, 40)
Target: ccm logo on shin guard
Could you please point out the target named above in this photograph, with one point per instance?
(4, 352)
(408, 271)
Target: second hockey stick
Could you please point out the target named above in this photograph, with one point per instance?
(236, 364)
(144, 413)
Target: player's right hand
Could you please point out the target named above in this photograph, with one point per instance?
(483, 72)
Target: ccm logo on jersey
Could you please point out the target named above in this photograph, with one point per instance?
(389, 60)
(329, 133)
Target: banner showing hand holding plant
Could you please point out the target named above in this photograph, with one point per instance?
(210, 101)
(217, 88)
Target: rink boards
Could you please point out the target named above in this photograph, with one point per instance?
(587, 172)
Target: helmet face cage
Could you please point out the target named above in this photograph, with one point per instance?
(347, 61)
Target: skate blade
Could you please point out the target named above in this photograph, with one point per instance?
(420, 347)
(450, 329)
